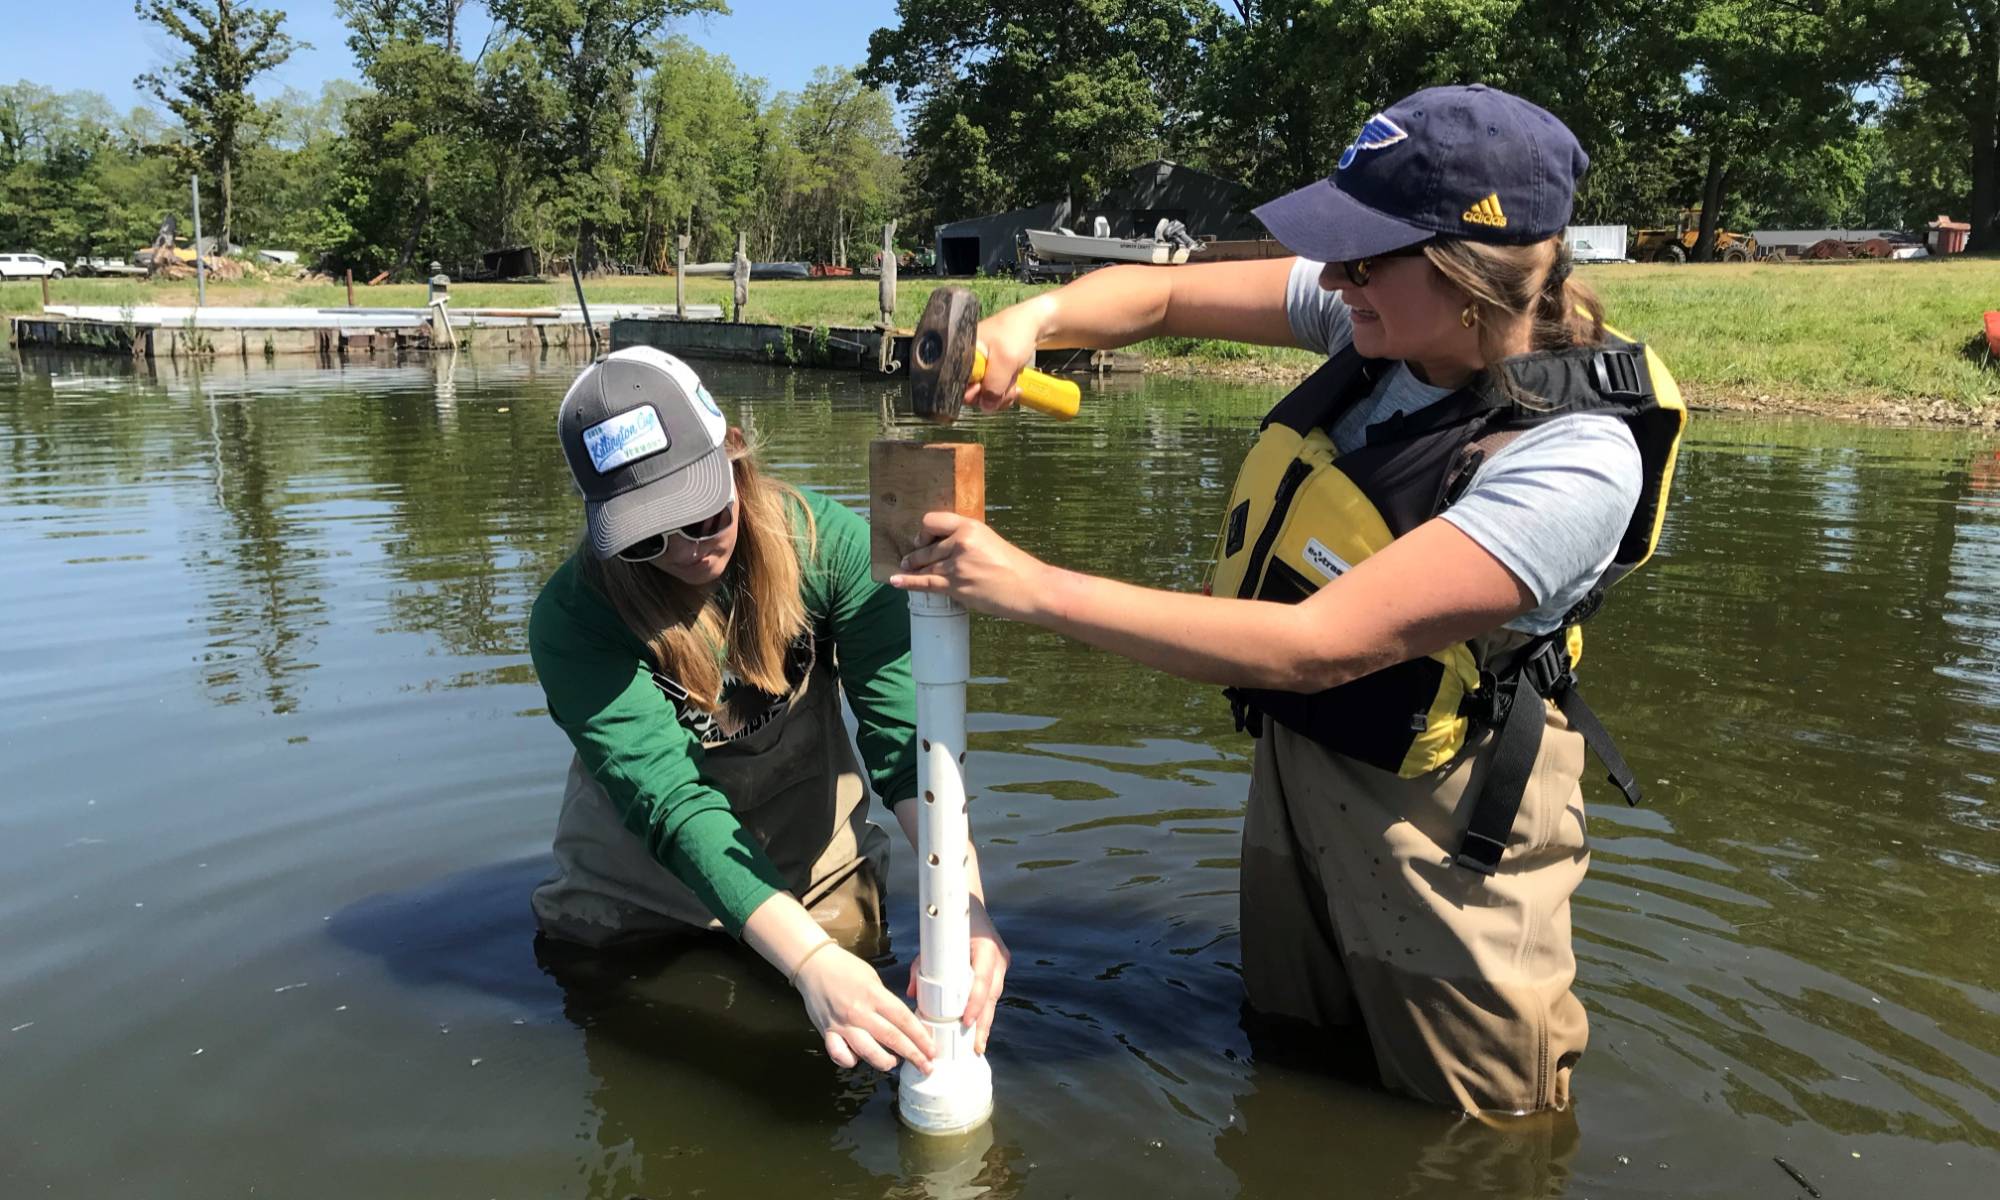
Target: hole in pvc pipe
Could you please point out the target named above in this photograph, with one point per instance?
(932, 910)
(927, 744)
(929, 798)
(934, 860)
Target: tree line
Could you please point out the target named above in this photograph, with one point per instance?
(591, 130)
(1799, 113)
(580, 129)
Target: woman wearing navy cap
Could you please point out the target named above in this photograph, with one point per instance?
(1399, 577)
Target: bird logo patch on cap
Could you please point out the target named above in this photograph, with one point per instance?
(1378, 133)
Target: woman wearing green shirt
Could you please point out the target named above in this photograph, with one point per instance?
(690, 649)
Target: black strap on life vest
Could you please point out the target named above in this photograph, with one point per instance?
(1544, 673)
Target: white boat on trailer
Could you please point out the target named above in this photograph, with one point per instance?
(1051, 245)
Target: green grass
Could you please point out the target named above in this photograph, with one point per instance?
(1854, 332)
(1837, 334)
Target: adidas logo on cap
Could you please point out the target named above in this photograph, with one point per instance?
(1487, 212)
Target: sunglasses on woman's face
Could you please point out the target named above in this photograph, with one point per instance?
(697, 533)
(1357, 270)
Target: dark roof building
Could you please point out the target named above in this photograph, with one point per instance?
(1209, 205)
(987, 243)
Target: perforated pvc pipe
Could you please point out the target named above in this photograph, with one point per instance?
(958, 1093)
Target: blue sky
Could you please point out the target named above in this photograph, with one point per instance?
(99, 45)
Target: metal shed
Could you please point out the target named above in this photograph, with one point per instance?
(987, 243)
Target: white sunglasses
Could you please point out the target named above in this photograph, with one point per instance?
(699, 533)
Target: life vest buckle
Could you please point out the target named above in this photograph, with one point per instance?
(1621, 373)
(1480, 853)
(1547, 668)
(1244, 715)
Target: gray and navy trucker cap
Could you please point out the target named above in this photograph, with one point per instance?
(1467, 162)
(644, 441)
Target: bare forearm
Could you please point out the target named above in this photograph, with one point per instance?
(1106, 309)
(1234, 643)
(1117, 306)
(1428, 589)
(783, 932)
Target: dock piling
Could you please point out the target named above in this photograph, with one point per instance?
(887, 300)
(680, 277)
(742, 276)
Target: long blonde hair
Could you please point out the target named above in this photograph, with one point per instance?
(691, 638)
(1532, 281)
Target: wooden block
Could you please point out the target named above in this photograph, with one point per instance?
(907, 480)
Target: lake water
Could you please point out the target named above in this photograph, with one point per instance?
(275, 783)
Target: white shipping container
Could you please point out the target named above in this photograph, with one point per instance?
(1595, 243)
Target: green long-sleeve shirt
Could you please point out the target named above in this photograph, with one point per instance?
(646, 750)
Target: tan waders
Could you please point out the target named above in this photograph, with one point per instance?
(796, 788)
(1354, 913)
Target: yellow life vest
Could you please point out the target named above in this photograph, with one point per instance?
(1302, 514)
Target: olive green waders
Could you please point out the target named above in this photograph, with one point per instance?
(794, 785)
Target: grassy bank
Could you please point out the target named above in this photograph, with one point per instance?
(1881, 338)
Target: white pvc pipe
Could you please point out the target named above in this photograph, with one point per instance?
(958, 1093)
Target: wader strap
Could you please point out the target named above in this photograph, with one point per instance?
(1499, 799)
(1248, 720)
(1545, 673)
(1599, 740)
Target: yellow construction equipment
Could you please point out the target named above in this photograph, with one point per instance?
(1676, 245)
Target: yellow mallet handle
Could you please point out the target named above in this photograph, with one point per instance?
(1039, 390)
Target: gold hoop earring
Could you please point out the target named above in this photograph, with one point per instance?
(1467, 317)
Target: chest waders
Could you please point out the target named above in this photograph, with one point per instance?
(1302, 514)
(791, 780)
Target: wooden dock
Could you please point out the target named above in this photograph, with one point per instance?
(252, 332)
(249, 333)
(837, 347)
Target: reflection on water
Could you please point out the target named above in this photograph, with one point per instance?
(279, 783)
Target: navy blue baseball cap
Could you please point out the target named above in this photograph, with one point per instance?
(1468, 162)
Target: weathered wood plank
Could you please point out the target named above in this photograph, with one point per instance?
(907, 480)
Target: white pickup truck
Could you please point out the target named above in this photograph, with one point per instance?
(29, 266)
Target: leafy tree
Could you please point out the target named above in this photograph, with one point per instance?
(74, 180)
(592, 52)
(846, 164)
(289, 172)
(1920, 169)
(1289, 81)
(1768, 82)
(522, 113)
(1949, 52)
(1051, 97)
(209, 90)
(416, 155)
(697, 124)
